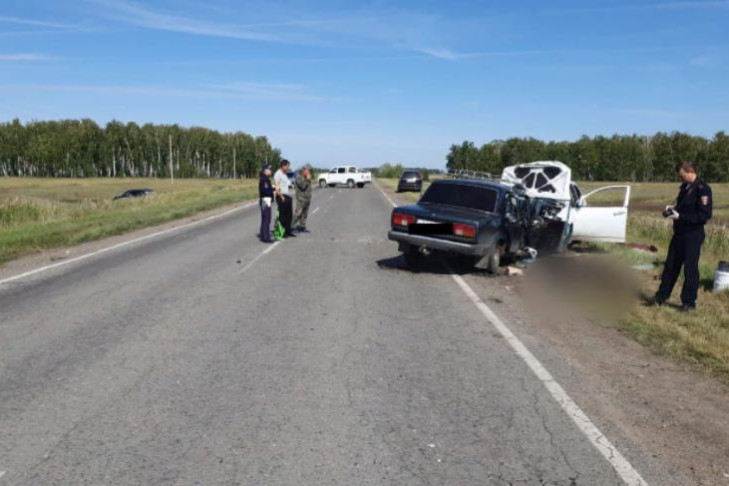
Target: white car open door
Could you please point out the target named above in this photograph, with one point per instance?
(602, 221)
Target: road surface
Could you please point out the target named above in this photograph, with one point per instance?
(205, 357)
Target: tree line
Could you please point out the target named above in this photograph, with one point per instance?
(618, 158)
(388, 170)
(82, 148)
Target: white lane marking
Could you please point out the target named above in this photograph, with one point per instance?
(266, 251)
(120, 245)
(626, 472)
(2, 473)
(377, 185)
(624, 469)
(261, 255)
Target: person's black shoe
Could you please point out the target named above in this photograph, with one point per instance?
(654, 302)
(302, 229)
(687, 308)
(289, 235)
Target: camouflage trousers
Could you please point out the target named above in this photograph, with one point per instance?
(302, 212)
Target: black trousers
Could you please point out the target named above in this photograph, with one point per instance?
(285, 212)
(684, 251)
(265, 232)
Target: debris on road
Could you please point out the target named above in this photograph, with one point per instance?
(514, 272)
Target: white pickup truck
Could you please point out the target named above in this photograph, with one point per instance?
(344, 175)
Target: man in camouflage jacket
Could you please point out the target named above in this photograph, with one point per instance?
(303, 198)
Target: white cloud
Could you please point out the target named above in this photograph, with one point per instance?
(36, 23)
(139, 15)
(24, 57)
(369, 28)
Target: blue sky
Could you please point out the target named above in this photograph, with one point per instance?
(372, 81)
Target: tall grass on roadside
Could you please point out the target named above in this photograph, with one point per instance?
(658, 231)
(40, 214)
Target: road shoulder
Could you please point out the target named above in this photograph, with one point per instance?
(659, 405)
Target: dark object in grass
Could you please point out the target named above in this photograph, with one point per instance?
(640, 247)
(134, 193)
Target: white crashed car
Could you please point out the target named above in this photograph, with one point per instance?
(552, 180)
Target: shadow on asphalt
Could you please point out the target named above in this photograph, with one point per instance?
(434, 265)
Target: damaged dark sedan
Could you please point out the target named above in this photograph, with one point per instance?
(533, 209)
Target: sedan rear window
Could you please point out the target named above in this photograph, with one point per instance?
(464, 196)
(410, 174)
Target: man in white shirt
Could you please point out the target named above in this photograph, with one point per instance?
(283, 199)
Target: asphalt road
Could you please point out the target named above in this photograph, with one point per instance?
(193, 358)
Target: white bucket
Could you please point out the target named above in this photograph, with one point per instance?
(721, 277)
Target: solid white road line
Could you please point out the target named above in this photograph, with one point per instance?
(377, 185)
(121, 245)
(626, 472)
(624, 469)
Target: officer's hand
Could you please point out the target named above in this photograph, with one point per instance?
(674, 214)
(668, 208)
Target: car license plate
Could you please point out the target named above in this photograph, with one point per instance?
(426, 221)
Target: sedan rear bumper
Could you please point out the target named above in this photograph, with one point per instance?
(410, 186)
(437, 243)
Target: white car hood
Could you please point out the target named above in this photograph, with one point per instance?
(547, 179)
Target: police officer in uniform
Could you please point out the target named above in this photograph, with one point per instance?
(303, 198)
(689, 215)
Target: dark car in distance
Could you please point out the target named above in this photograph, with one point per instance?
(484, 220)
(134, 193)
(410, 180)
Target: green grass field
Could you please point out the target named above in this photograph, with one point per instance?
(39, 214)
(701, 338)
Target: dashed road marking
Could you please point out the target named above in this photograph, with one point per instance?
(315, 210)
(261, 255)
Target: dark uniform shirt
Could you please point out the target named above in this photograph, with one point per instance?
(693, 205)
(265, 188)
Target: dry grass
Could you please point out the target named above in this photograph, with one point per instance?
(38, 214)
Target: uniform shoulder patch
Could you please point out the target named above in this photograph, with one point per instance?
(705, 200)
